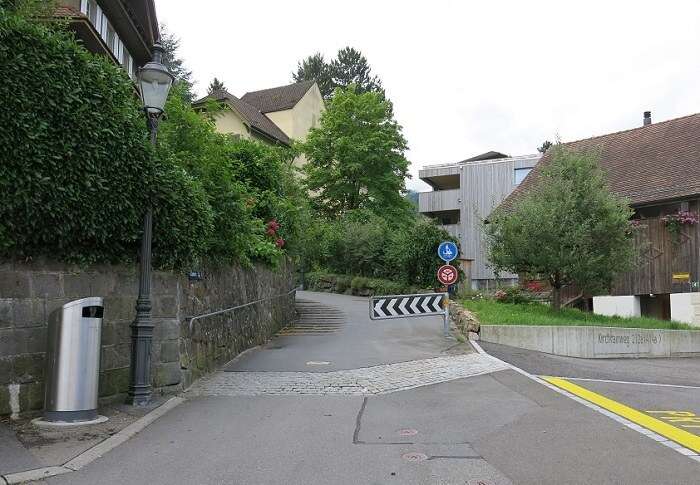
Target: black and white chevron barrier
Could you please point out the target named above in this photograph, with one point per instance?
(402, 306)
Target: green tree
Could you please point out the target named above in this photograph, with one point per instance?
(315, 68)
(569, 228)
(546, 145)
(349, 68)
(174, 63)
(216, 85)
(356, 156)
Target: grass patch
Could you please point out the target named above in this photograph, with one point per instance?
(491, 312)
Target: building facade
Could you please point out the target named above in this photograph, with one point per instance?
(278, 115)
(463, 196)
(122, 30)
(657, 168)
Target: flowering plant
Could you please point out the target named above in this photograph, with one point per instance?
(272, 227)
(675, 222)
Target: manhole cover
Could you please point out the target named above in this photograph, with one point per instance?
(480, 481)
(407, 432)
(317, 362)
(414, 457)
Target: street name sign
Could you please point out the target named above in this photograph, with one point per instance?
(447, 250)
(416, 305)
(447, 275)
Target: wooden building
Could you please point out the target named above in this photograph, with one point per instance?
(656, 167)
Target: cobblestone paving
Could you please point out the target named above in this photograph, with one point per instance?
(379, 379)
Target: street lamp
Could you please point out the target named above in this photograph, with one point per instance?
(154, 82)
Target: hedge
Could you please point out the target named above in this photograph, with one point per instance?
(76, 170)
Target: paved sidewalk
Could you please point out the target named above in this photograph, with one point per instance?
(379, 379)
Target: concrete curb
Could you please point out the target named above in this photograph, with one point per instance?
(96, 451)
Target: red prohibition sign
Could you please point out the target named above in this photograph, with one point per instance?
(447, 275)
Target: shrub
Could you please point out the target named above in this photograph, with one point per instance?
(77, 173)
(512, 294)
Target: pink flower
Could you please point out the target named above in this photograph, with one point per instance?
(279, 243)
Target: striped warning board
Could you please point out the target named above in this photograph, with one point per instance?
(401, 306)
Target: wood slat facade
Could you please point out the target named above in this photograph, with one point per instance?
(660, 256)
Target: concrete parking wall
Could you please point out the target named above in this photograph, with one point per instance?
(181, 352)
(596, 342)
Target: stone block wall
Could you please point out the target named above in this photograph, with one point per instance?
(181, 352)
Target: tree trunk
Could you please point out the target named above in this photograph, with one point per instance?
(556, 298)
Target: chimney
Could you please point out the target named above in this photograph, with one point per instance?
(647, 118)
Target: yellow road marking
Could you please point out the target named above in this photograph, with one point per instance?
(666, 430)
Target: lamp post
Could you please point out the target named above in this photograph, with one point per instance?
(154, 81)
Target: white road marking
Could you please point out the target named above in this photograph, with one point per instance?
(680, 386)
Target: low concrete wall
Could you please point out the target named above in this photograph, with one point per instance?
(596, 342)
(180, 352)
(685, 307)
(621, 306)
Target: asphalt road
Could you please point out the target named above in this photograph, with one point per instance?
(496, 428)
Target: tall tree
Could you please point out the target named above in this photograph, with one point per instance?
(174, 63)
(216, 85)
(356, 155)
(349, 67)
(569, 228)
(546, 145)
(315, 68)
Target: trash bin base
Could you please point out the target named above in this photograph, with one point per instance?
(43, 423)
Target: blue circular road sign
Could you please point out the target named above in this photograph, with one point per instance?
(447, 251)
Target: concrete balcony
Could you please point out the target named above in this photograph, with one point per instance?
(439, 200)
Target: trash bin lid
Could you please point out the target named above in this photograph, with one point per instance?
(83, 302)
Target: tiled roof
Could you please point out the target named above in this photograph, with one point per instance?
(650, 164)
(251, 115)
(277, 99)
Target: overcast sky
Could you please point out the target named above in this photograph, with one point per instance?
(466, 76)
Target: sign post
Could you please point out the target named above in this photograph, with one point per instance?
(447, 275)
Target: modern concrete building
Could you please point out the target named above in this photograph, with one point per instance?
(463, 196)
(122, 30)
(277, 115)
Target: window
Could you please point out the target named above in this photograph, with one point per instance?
(520, 174)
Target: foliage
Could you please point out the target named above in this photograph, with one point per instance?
(412, 253)
(216, 85)
(546, 145)
(356, 156)
(569, 229)
(675, 222)
(171, 60)
(249, 184)
(364, 244)
(490, 312)
(358, 285)
(512, 294)
(349, 68)
(315, 68)
(77, 172)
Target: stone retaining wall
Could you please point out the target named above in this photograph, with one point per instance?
(596, 342)
(30, 292)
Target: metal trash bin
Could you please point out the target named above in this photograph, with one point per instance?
(73, 361)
